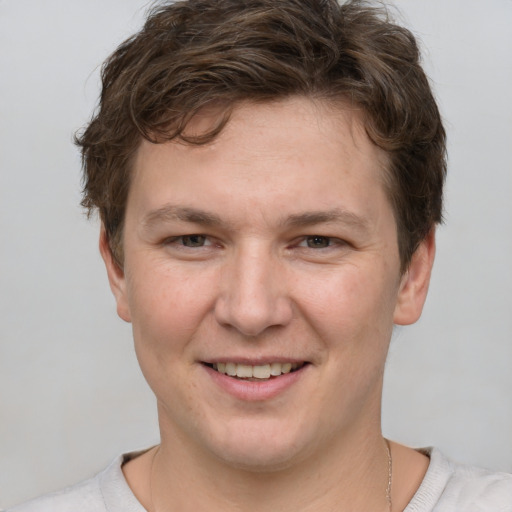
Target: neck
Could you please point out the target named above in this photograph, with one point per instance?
(353, 475)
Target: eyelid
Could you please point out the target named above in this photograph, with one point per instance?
(333, 241)
(209, 241)
(175, 240)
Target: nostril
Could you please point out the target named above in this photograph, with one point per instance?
(251, 315)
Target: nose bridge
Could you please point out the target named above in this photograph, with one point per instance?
(254, 293)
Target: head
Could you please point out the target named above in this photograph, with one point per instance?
(199, 56)
(265, 171)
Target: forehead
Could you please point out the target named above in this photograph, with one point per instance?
(290, 150)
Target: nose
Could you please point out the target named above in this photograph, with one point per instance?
(254, 294)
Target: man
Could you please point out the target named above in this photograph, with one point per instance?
(269, 176)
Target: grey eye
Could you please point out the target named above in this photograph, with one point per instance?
(318, 242)
(193, 240)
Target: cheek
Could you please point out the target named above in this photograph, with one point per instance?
(350, 306)
(167, 306)
(167, 312)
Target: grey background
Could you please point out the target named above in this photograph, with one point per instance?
(71, 393)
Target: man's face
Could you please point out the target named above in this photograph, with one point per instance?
(270, 253)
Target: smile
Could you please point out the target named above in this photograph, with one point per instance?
(256, 372)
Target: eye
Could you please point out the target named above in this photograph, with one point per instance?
(188, 241)
(193, 240)
(316, 242)
(191, 247)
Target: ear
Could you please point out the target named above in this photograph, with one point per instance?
(116, 277)
(415, 281)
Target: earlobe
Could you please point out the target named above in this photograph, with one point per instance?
(116, 277)
(415, 282)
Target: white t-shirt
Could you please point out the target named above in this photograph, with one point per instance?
(447, 487)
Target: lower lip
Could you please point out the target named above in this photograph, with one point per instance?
(253, 391)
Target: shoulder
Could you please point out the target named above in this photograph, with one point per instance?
(85, 496)
(449, 486)
(478, 490)
(108, 491)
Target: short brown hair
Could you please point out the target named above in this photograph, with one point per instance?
(193, 53)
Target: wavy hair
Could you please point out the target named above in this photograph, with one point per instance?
(195, 53)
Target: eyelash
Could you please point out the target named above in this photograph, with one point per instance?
(304, 242)
(329, 240)
(180, 240)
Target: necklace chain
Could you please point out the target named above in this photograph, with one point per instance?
(388, 488)
(390, 477)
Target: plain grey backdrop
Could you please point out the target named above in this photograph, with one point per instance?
(71, 394)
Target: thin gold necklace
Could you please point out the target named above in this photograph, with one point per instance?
(390, 477)
(388, 488)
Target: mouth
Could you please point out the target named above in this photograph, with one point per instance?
(255, 373)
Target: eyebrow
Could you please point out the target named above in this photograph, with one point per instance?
(169, 213)
(328, 216)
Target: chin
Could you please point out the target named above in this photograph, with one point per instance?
(260, 462)
(255, 450)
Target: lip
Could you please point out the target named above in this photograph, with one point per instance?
(253, 361)
(253, 391)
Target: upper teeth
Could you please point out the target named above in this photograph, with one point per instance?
(262, 371)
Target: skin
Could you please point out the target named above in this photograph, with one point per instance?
(294, 258)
